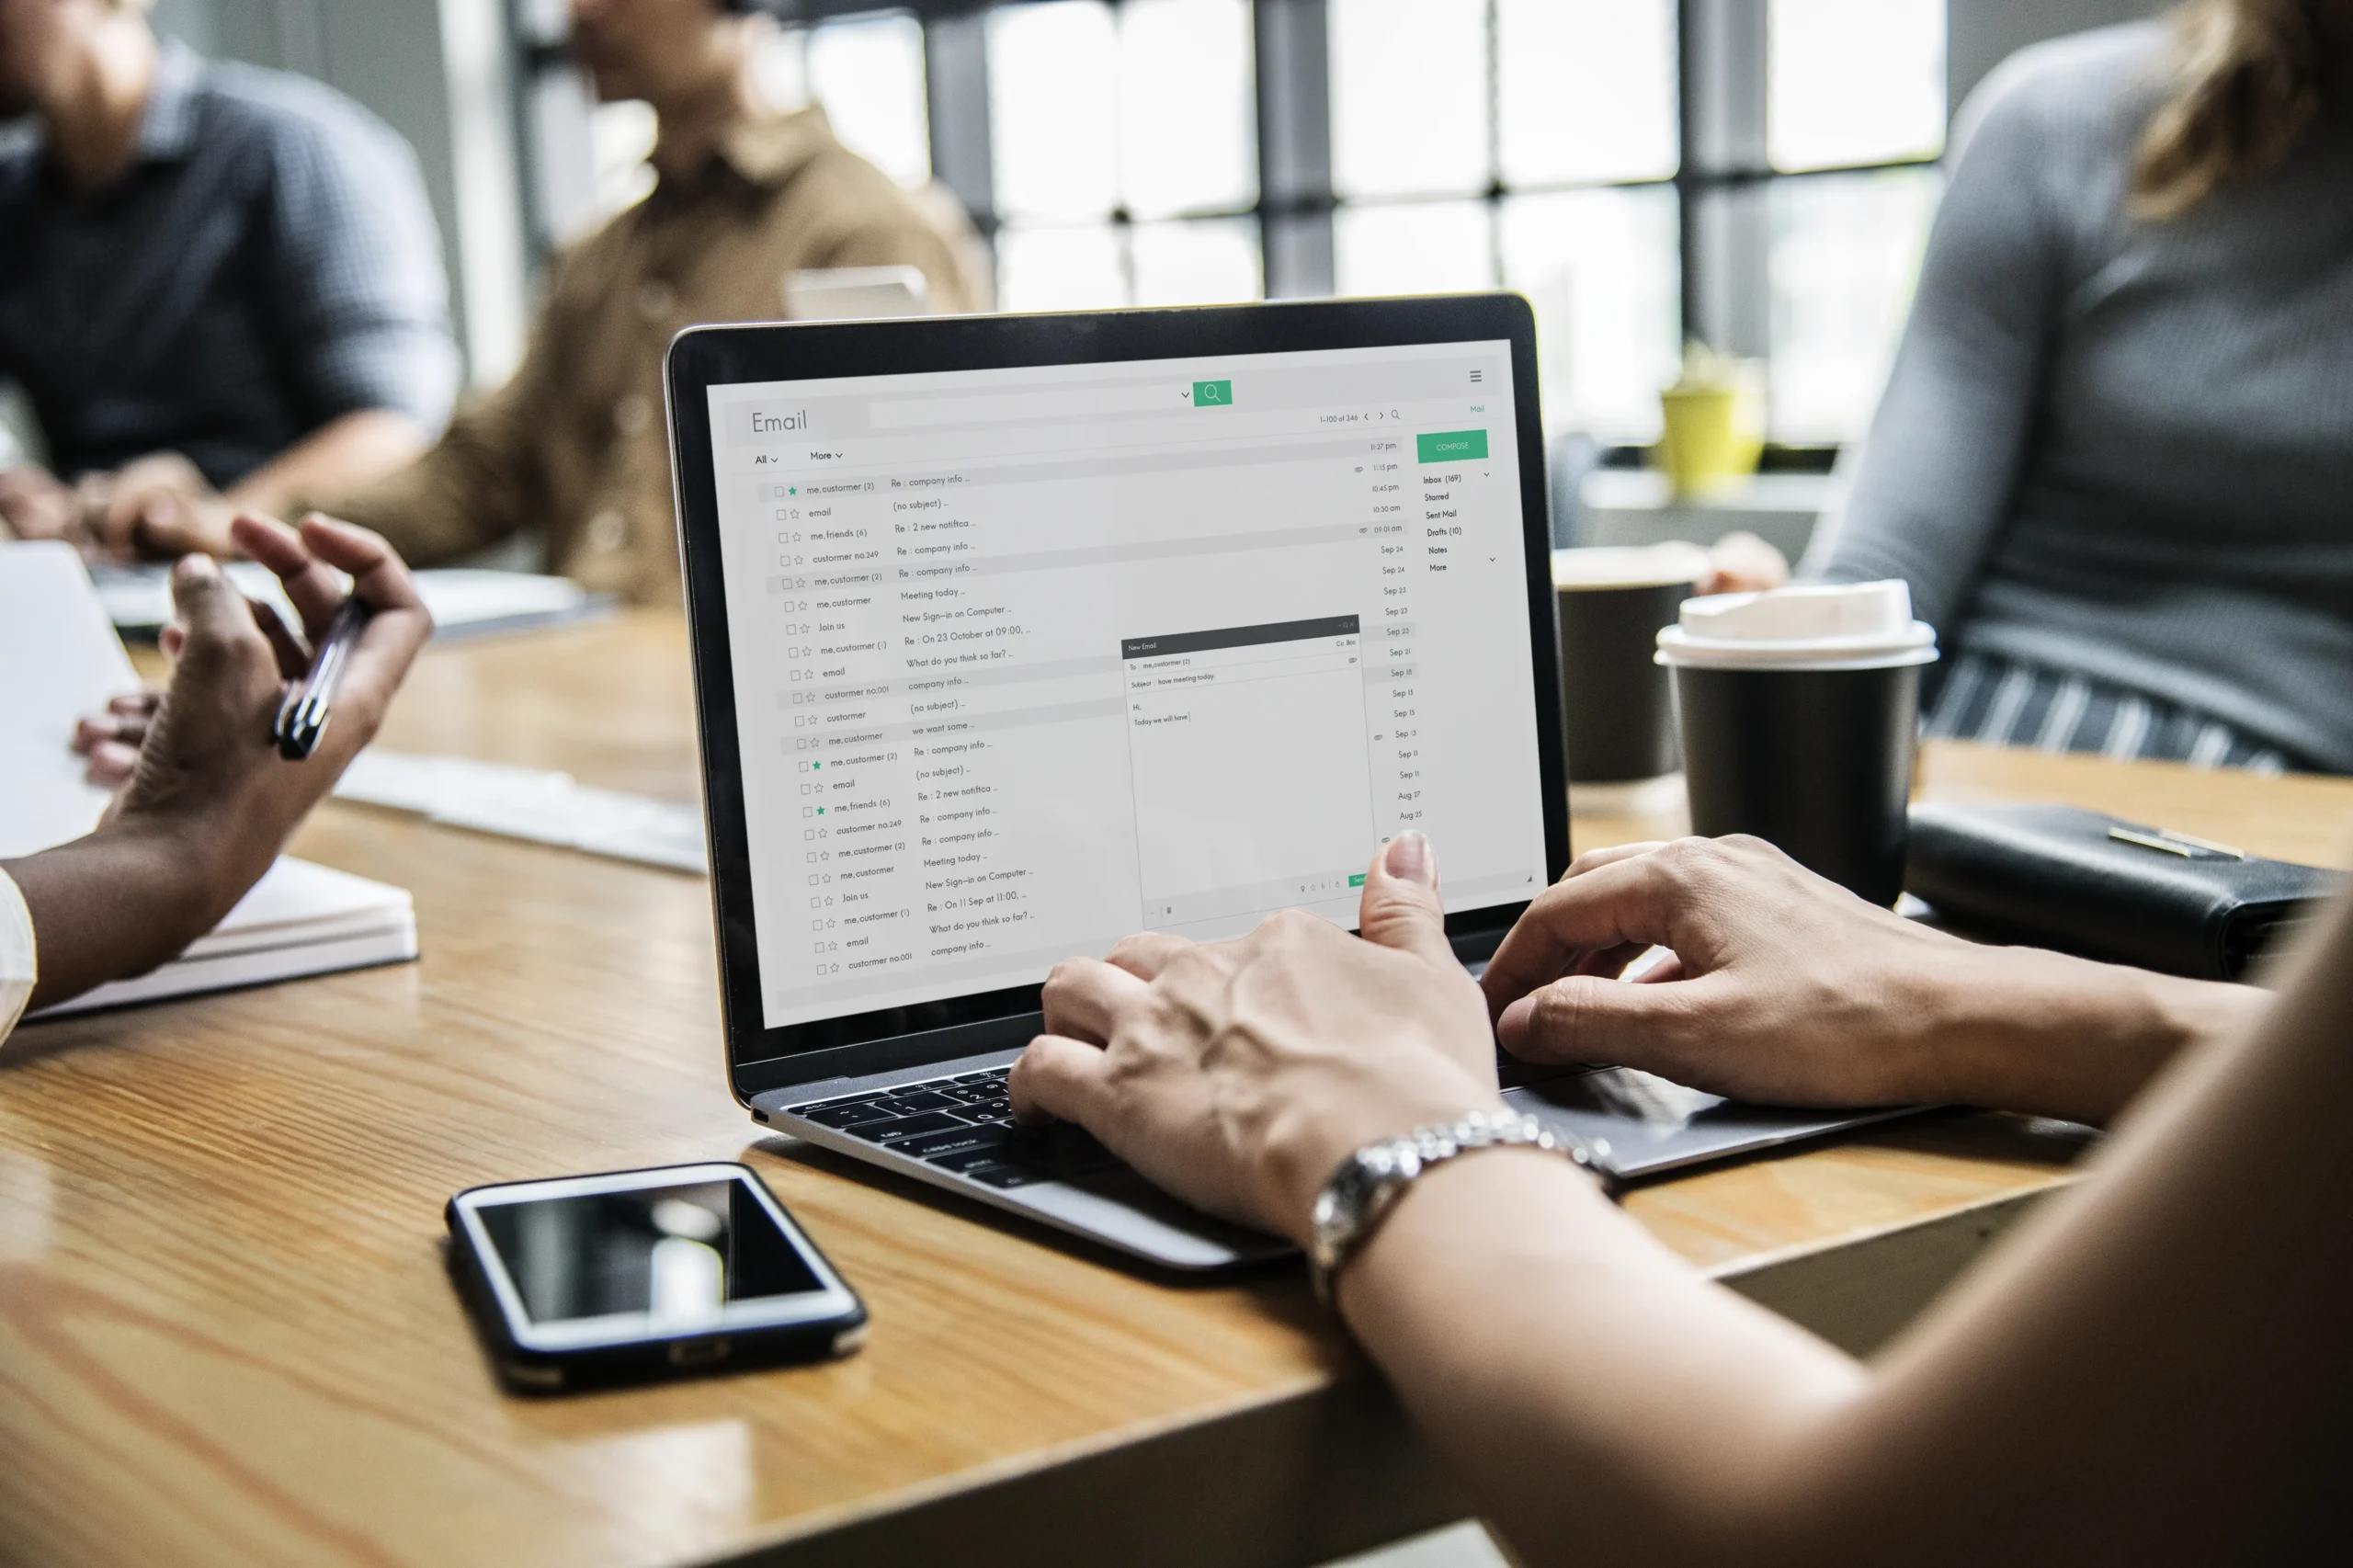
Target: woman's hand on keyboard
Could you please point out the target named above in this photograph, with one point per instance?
(1783, 988)
(1238, 1074)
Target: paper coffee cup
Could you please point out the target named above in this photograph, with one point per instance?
(1799, 711)
(1617, 712)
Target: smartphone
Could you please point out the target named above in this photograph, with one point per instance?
(632, 1276)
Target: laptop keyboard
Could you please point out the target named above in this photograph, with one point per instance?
(964, 1125)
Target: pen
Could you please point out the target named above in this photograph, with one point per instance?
(302, 717)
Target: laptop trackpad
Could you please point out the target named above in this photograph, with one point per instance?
(1649, 1124)
(1124, 1207)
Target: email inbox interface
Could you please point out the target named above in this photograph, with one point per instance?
(1028, 660)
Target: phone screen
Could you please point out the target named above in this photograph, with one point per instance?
(675, 1254)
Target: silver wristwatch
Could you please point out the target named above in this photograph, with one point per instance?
(1369, 1183)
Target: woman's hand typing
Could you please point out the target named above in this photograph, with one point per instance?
(1238, 1074)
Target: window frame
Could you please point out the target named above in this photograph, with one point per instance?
(1722, 181)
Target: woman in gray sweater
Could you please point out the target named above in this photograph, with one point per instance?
(2115, 457)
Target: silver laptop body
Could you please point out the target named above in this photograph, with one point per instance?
(1015, 634)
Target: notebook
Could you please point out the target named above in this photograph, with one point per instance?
(60, 659)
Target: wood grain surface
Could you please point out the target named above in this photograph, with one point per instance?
(226, 1337)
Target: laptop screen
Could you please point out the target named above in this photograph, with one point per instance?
(1024, 660)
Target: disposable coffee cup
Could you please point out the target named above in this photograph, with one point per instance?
(1616, 713)
(1799, 711)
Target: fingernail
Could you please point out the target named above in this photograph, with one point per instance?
(1409, 859)
(198, 565)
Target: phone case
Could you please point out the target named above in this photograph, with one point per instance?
(526, 1370)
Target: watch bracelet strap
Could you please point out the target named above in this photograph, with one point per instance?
(1390, 1165)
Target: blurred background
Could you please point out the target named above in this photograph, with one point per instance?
(1757, 173)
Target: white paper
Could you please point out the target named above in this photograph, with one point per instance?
(533, 803)
(59, 660)
(459, 597)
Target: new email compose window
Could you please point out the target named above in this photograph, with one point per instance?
(1025, 660)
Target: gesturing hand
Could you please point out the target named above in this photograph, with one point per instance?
(1238, 1074)
(210, 801)
(206, 772)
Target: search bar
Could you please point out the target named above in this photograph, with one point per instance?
(1014, 408)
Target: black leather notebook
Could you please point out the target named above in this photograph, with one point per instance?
(2078, 880)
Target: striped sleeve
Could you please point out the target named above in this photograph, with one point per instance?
(18, 970)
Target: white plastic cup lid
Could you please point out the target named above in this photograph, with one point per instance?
(1828, 626)
(1629, 567)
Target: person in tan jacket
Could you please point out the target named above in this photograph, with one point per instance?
(574, 446)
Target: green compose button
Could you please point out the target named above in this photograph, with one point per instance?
(1451, 445)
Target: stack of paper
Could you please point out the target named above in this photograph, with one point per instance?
(465, 601)
(60, 659)
(530, 803)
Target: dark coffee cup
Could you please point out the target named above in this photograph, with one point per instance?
(1800, 715)
(1617, 712)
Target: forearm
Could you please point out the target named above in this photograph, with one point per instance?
(111, 905)
(338, 459)
(476, 485)
(1597, 1398)
(2017, 1029)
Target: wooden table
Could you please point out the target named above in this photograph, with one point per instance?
(225, 1336)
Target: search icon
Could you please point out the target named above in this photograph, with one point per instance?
(1213, 394)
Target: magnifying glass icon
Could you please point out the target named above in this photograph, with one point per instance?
(1206, 393)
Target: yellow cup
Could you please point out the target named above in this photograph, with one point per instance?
(1710, 437)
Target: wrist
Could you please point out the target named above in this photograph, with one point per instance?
(1304, 1163)
(1355, 1201)
(2021, 1029)
(177, 867)
(113, 905)
(1492, 1211)
(201, 855)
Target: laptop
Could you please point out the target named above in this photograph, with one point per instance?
(1015, 634)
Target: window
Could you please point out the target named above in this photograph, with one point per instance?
(1845, 251)
(1431, 55)
(1535, 158)
(1585, 91)
(1849, 83)
(868, 75)
(1599, 266)
(1124, 152)
(1756, 172)
(1855, 82)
